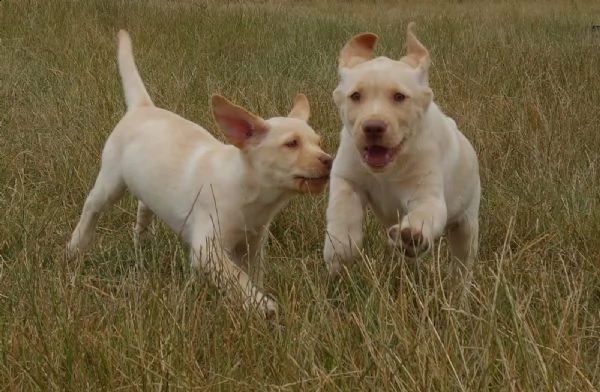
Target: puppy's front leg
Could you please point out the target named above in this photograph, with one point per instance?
(345, 214)
(247, 255)
(255, 258)
(424, 222)
(208, 254)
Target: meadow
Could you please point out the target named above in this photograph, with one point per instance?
(522, 81)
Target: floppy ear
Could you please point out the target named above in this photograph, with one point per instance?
(417, 55)
(239, 126)
(359, 49)
(301, 109)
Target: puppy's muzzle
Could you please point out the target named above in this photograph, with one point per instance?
(374, 129)
(326, 160)
(319, 176)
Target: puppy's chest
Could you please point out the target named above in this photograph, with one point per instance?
(235, 236)
(247, 225)
(387, 202)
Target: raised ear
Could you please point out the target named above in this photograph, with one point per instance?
(358, 50)
(239, 126)
(301, 109)
(417, 55)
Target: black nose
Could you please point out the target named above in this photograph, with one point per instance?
(327, 160)
(374, 128)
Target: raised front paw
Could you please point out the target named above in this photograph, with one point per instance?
(409, 239)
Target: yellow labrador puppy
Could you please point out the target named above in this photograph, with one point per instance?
(219, 197)
(400, 155)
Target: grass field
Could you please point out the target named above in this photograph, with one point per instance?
(522, 81)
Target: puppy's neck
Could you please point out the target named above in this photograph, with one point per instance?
(261, 196)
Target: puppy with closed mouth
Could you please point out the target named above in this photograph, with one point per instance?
(400, 155)
(219, 197)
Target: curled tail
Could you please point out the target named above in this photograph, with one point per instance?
(133, 86)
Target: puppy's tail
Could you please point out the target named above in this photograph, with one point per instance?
(135, 92)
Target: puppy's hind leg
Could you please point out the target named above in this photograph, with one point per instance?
(143, 222)
(463, 240)
(144, 218)
(140, 231)
(109, 188)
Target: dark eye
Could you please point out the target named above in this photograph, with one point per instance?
(355, 96)
(399, 97)
(292, 144)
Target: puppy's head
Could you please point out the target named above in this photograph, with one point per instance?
(382, 101)
(285, 152)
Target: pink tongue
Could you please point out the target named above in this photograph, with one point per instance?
(377, 156)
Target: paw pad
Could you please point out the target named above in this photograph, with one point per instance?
(412, 240)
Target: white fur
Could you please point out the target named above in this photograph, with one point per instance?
(428, 184)
(220, 198)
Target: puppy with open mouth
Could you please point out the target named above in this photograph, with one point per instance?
(220, 197)
(400, 155)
